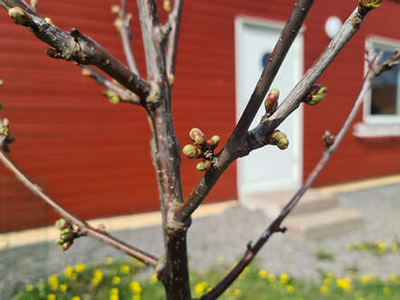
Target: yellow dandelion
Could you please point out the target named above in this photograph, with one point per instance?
(135, 287)
(125, 269)
(386, 290)
(76, 298)
(284, 278)
(136, 297)
(237, 292)
(199, 288)
(262, 273)
(324, 289)
(154, 278)
(68, 271)
(344, 283)
(79, 268)
(271, 277)
(290, 289)
(63, 288)
(29, 287)
(114, 291)
(327, 281)
(114, 297)
(116, 280)
(40, 286)
(97, 277)
(74, 276)
(382, 247)
(51, 297)
(366, 278)
(108, 260)
(393, 277)
(141, 264)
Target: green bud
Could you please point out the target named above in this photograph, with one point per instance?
(370, 4)
(271, 101)
(280, 139)
(316, 94)
(65, 246)
(197, 136)
(203, 166)
(214, 141)
(112, 96)
(18, 15)
(191, 151)
(62, 224)
(3, 130)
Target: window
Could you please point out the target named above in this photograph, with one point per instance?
(383, 103)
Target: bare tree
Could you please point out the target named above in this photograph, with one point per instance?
(154, 94)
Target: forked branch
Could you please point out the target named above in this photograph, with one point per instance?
(275, 226)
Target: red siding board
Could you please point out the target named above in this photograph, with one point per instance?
(94, 157)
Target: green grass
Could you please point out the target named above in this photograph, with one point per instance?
(120, 281)
(324, 255)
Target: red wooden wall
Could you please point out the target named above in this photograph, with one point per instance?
(94, 157)
(355, 158)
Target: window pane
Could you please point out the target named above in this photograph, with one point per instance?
(384, 91)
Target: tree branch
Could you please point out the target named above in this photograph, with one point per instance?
(77, 47)
(123, 94)
(123, 26)
(227, 155)
(174, 20)
(84, 227)
(275, 226)
(258, 137)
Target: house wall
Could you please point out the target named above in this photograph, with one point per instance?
(356, 158)
(93, 157)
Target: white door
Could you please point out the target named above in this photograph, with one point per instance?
(267, 169)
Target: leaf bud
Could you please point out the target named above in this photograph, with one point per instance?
(279, 139)
(171, 79)
(62, 224)
(118, 23)
(48, 20)
(203, 166)
(86, 72)
(197, 136)
(271, 101)
(191, 151)
(370, 4)
(167, 5)
(214, 141)
(18, 15)
(115, 9)
(65, 246)
(316, 94)
(6, 122)
(112, 96)
(53, 53)
(1, 82)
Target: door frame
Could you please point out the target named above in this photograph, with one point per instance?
(296, 141)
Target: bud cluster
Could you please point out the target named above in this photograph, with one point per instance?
(201, 148)
(270, 103)
(19, 16)
(279, 139)
(316, 94)
(67, 234)
(121, 20)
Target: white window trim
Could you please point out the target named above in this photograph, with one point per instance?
(390, 45)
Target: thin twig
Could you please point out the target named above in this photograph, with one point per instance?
(124, 29)
(123, 94)
(286, 39)
(275, 226)
(84, 227)
(174, 20)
